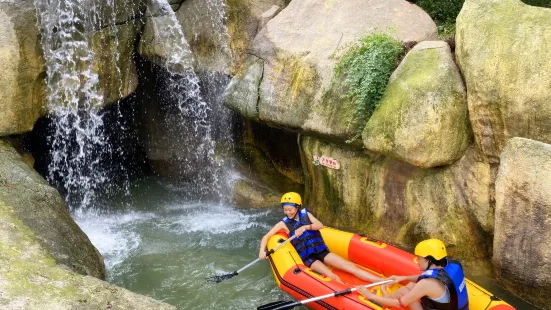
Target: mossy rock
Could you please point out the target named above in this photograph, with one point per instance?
(32, 280)
(401, 203)
(299, 47)
(503, 50)
(42, 209)
(422, 118)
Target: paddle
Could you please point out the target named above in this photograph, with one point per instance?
(284, 304)
(220, 278)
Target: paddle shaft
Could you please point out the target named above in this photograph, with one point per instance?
(343, 292)
(268, 253)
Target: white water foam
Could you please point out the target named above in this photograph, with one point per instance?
(215, 219)
(113, 234)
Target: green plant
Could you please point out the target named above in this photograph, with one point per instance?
(444, 13)
(542, 3)
(366, 67)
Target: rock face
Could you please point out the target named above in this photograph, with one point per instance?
(271, 166)
(114, 60)
(22, 67)
(203, 23)
(30, 279)
(401, 203)
(298, 48)
(503, 47)
(423, 118)
(40, 207)
(162, 41)
(522, 240)
(245, 19)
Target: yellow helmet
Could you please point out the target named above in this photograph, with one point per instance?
(291, 198)
(432, 247)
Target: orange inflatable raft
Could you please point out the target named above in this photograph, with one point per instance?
(377, 257)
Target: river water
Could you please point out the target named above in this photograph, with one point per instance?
(157, 243)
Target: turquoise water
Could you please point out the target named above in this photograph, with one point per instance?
(158, 244)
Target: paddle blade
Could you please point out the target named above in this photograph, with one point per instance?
(279, 305)
(218, 279)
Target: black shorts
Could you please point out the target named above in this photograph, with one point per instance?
(314, 257)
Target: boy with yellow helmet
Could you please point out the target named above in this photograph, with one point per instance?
(309, 242)
(441, 286)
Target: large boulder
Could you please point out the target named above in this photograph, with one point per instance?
(298, 48)
(422, 118)
(503, 50)
(30, 279)
(522, 240)
(400, 203)
(41, 208)
(22, 67)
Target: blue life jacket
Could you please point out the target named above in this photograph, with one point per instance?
(452, 276)
(310, 242)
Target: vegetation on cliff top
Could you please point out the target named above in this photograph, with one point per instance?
(367, 66)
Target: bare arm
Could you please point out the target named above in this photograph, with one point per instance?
(277, 227)
(423, 288)
(316, 224)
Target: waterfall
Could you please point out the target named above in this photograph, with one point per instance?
(73, 100)
(192, 127)
(84, 137)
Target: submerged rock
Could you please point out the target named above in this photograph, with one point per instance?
(422, 118)
(522, 241)
(503, 50)
(41, 208)
(30, 278)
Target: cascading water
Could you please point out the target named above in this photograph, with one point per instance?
(73, 99)
(192, 125)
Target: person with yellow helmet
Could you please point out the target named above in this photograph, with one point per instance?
(441, 286)
(309, 242)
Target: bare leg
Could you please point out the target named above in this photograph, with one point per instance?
(320, 267)
(336, 261)
(403, 291)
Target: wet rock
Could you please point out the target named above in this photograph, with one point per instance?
(114, 48)
(522, 242)
(422, 118)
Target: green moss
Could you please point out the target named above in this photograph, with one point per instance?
(300, 78)
(366, 67)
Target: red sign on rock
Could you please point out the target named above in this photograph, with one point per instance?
(326, 161)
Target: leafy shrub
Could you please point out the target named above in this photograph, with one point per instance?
(542, 3)
(444, 13)
(366, 67)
